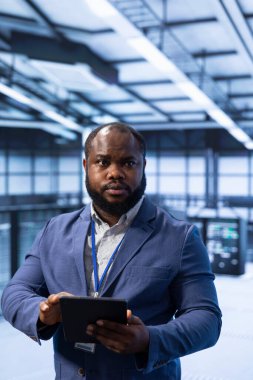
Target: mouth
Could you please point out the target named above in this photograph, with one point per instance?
(116, 189)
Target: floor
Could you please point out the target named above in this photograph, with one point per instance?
(230, 359)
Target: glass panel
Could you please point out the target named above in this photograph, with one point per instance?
(5, 264)
(233, 165)
(197, 165)
(233, 185)
(172, 185)
(42, 184)
(2, 184)
(151, 164)
(19, 163)
(2, 162)
(151, 184)
(172, 165)
(69, 164)
(196, 185)
(20, 184)
(42, 164)
(69, 184)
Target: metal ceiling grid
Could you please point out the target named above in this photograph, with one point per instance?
(210, 42)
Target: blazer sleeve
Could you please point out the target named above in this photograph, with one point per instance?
(22, 296)
(197, 320)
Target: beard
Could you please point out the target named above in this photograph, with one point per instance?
(116, 208)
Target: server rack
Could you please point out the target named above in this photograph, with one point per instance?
(226, 242)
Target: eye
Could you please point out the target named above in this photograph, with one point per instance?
(130, 163)
(103, 162)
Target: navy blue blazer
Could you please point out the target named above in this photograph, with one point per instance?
(163, 271)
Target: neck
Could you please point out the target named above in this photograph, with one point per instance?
(106, 217)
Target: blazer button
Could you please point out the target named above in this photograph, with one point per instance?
(81, 372)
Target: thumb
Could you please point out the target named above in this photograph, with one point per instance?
(132, 319)
(54, 299)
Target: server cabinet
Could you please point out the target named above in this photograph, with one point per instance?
(226, 242)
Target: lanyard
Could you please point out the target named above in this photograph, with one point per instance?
(94, 259)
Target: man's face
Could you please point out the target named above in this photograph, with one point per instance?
(115, 177)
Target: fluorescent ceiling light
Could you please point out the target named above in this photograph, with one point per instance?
(249, 145)
(118, 22)
(136, 39)
(154, 56)
(102, 8)
(103, 119)
(57, 130)
(63, 120)
(239, 135)
(53, 128)
(194, 93)
(8, 91)
(40, 106)
(221, 118)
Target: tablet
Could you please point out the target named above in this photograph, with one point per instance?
(78, 312)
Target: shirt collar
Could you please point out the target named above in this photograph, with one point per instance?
(125, 219)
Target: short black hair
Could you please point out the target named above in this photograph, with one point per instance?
(122, 127)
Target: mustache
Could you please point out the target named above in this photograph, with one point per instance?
(116, 185)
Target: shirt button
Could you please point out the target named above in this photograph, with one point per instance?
(81, 372)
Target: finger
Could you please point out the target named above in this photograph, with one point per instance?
(55, 298)
(113, 345)
(119, 327)
(113, 326)
(134, 320)
(111, 348)
(44, 306)
(129, 314)
(103, 333)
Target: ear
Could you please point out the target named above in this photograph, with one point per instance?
(84, 164)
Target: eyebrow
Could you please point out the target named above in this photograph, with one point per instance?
(123, 158)
(103, 156)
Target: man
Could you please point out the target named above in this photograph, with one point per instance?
(157, 263)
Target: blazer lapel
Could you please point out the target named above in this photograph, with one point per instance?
(140, 230)
(80, 233)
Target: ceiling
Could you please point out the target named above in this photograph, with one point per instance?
(176, 64)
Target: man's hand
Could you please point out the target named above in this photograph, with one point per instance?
(50, 313)
(125, 339)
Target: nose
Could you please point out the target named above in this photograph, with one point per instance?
(115, 171)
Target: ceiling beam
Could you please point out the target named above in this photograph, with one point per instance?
(235, 12)
(180, 23)
(147, 82)
(231, 77)
(161, 125)
(207, 54)
(175, 125)
(73, 29)
(226, 15)
(234, 95)
(44, 20)
(15, 23)
(52, 128)
(170, 99)
(111, 101)
(127, 60)
(22, 24)
(146, 101)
